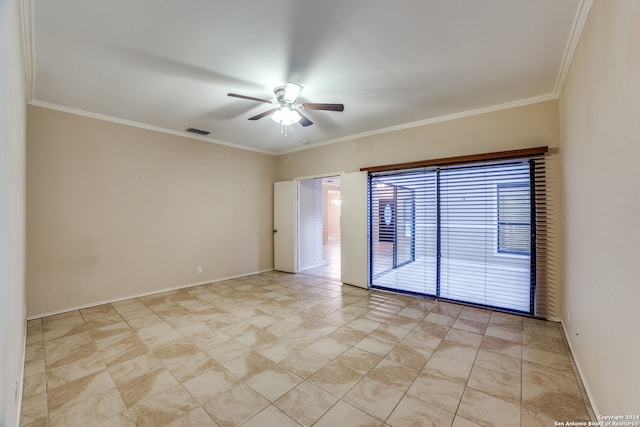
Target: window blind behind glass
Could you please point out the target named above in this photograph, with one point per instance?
(403, 231)
(479, 205)
(546, 245)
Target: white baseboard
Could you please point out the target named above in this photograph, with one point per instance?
(580, 372)
(322, 264)
(21, 378)
(144, 294)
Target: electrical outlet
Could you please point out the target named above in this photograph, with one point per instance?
(17, 392)
(199, 270)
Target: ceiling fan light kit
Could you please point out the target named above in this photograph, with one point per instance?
(287, 111)
(286, 116)
(291, 92)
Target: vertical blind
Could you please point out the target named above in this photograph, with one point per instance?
(472, 232)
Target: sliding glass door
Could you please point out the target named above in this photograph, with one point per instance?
(403, 245)
(461, 233)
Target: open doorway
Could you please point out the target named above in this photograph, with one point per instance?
(319, 227)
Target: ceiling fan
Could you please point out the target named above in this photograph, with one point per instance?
(286, 110)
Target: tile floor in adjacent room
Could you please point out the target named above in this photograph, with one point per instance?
(276, 349)
(331, 257)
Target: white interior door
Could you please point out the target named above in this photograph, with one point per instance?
(284, 226)
(354, 229)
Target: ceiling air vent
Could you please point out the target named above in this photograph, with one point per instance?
(198, 131)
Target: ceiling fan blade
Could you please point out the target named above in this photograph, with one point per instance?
(328, 107)
(265, 114)
(304, 121)
(251, 98)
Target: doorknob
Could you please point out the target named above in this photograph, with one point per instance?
(275, 231)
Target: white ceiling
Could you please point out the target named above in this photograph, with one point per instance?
(169, 64)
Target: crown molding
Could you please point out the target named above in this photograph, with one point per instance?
(430, 121)
(106, 118)
(184, 134)
(574, 37)
(28, 51)
(29, 54)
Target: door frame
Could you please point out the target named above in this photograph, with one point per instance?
(355, 264)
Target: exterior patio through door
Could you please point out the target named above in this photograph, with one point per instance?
(395, 231)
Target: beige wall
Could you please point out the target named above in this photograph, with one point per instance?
(115, 211)
(523, 127)
(600, 117)
(12, 211)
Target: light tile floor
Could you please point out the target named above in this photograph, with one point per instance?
(276, 349)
